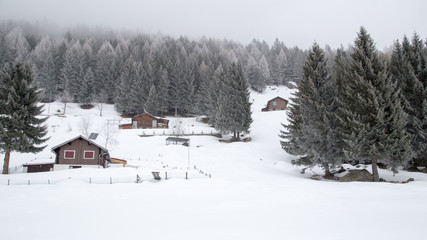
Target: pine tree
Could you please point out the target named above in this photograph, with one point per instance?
(151, 106)
(201, 102)
(234, 109)
(137, 93)
(21, 129)
(105, 71)
(374, 116)
(412, 91)
(213, 95)
(312, 116)
(72, 71)
(254, 75)
(339, 75)
(162, 92)
(46, 79)
(87, 90)
(122, 96)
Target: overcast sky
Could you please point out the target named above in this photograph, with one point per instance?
(297, 22)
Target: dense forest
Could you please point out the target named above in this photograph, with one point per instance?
(157, 73)
(367, 108)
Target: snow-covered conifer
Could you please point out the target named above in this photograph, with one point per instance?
(234, 109)
(21, 128)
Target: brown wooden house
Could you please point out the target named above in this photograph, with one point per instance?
(145, 120)
(275, 104)
(80, 151)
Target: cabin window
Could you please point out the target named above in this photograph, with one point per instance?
(69, 154)
(89, 155)
(274, 103)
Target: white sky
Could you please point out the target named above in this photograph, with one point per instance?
(296, 22)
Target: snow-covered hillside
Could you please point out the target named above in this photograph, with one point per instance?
(253, 192)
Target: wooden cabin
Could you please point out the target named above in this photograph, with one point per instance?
(78, 152)
(145, 120)
(275, 104)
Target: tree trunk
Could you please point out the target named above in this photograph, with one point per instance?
(100, 109)
(375, 175)
(328, 174)
(6, 162)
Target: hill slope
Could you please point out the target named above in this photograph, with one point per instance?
(254, 191)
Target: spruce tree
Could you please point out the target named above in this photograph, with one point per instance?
(373, 118)
(201, 100)
(72, 71)
(46, 79)
(104, 71)
(213, 95)
(412, 91)
(254, 75)
(234, 109)
(86, 93)
(151, 106)
(137, 94)
(312, 118)
(339, 75)
(21, 129)
(122, 95)
(163, 98)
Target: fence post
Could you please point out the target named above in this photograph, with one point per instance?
(8, 182)
(28, 181)
(210, 176)
(48, 181)
(111, 180)
(186, 175)
(90, 180)
(166, 175)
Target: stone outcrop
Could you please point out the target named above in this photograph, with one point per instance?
(357, 176)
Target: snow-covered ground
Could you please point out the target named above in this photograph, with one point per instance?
(253, 193)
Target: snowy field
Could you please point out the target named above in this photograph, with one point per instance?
(253, 192)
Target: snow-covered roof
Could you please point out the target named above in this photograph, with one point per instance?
(149, 115)
(278, 98)
(80, 136)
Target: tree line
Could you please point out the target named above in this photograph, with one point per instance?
(367, 108)
(138, 72)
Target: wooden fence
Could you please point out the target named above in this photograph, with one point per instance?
(138, 178)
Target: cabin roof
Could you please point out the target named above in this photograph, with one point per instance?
(73, 139)
(278, 98)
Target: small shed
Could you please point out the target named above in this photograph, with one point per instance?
(80, 151)
(119, 161)
(176, 140)
(37, 167)
(275, 104)
(146, 120)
